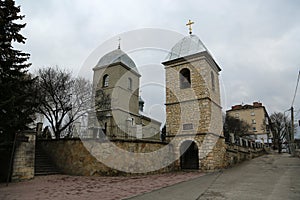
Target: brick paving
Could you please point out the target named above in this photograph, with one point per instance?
(63, 187)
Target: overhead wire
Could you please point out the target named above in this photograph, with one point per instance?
(296, 89)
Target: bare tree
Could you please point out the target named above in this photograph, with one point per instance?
(236, 126)
(63, 99)
(101, 104)
(281, 125)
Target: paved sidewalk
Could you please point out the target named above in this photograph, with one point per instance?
(63, 187)
(269, 177)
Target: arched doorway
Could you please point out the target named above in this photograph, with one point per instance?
(189, 158)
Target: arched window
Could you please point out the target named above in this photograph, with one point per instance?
(212, 81)
(129, 83)
(185, 78)
(105, 80)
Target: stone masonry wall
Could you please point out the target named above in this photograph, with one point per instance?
(211, 151)
(236, 154)
(23, 163)
(78, 157)
(215, 153)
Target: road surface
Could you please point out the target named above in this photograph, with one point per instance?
(273, 176)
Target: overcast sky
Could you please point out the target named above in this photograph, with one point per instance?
(256, 43)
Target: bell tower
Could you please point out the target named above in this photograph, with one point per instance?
(117, 76)
(193, 106)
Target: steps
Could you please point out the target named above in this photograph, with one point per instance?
(43, 163)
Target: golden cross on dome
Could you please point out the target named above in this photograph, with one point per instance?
(189, 24)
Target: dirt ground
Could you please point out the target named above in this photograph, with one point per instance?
(63, 187)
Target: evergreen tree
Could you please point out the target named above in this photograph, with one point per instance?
(17, 93)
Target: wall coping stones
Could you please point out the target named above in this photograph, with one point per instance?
(194, 134)
(104, 140)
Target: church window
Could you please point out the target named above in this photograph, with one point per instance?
(105, 80)
(185, 78)
(129, 83)
(212, 81)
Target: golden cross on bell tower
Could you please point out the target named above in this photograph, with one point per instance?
(189, 24)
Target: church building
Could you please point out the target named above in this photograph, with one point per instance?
(117, 76)
(194, 125)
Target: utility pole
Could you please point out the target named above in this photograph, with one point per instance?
(292, 119)
(292, 132)
(287, 133)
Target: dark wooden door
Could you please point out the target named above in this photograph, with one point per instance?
(189, 158)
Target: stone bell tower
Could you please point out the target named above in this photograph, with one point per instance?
(193, 107)
(117, 76)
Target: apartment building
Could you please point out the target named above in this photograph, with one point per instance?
(257, 117)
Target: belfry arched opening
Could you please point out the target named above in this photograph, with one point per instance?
(189, 158)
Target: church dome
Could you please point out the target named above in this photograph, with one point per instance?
(117, 56)
(188, 45)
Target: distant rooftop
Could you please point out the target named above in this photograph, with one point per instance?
(246, 106)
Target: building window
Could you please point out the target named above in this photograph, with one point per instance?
(253, 121)
(212, 76)
(129, 83)
(105, 80)
(188, 126)
(252, 113)
(254, 128)
(185, 78)
(237, 115)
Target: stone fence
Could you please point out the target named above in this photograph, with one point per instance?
(240, 149)
(86, 157)
(90, 157)
(23, 162)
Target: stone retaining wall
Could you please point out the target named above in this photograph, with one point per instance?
(86, 157)
(23, 163)
(236, 154)
(95, 157)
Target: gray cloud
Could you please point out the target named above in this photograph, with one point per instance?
(256, 43)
